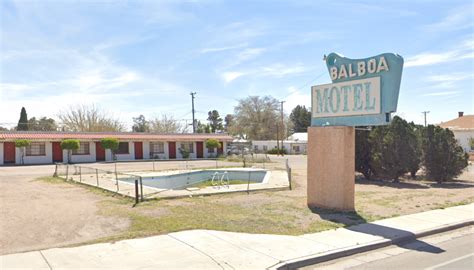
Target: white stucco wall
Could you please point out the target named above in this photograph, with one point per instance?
(146, 150)
(273, 144)
(463, 137)
(1, 153)
(191, 155)
(83, 158)
(47, 158)
(130, 155)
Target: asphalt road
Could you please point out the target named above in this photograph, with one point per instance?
(455, 253)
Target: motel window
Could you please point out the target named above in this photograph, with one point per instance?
(36, 149)
(156, 148)
(210, 150)
(122, 148)
(82, 150)
(255, 147)
(188, 147)
(265, 148)
(296, 148)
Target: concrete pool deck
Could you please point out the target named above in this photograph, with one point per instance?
(275, 180)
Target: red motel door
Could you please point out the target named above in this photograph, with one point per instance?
(57, 152)
(99, 152)
(220, 150)
(172, 150)
(9, 152)
(199, 150)
(138, 150)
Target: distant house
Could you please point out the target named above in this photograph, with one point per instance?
(294, 144)
(45, 146)
(463, 129)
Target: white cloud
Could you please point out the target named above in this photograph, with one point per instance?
(297, 97)
(249, 53)
(225, 48)
(275, 70)
(230, 76)
(445, 93)
(428, 58)
(457, 19)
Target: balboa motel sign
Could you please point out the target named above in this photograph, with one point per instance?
(364, 92)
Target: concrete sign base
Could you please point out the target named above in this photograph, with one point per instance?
(331, 167)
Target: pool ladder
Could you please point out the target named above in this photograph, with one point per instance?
(220, 179)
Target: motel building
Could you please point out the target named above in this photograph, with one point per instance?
(45, 147)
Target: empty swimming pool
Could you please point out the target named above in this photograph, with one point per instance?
(183, 180)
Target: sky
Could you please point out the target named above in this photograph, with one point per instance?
(145, 57)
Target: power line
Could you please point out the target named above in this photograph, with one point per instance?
(304, 85)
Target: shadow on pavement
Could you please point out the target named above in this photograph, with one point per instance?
(401, 238)
(355, 222)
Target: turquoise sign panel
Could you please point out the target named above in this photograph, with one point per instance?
(364, 92)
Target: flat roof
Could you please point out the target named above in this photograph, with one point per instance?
(96, 136)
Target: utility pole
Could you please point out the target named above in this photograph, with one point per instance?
(282, 126)
(194, 120)
(425, 112)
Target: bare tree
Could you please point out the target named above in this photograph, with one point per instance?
(256, 118)
(167, 124)
(89, 118)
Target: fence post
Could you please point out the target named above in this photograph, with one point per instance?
(289, 177)
(97, 176)
(67, 171)
(136, 191)
(288, 171)
(80, 174)
(248, 184)
(141, 188)
(55, 174)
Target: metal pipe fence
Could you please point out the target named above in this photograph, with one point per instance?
(122, 183)
(127, 182)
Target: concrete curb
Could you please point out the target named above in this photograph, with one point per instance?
(336, 254)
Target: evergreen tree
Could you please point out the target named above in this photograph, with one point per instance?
(229, 119)
(42, 124)
(215, 121)
(301, 119)
(415, 143)
(203, 128)
(140, 124)
(363, 153)
(390, 149)
(443, 158)
(23, 122)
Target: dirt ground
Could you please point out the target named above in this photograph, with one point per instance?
(38, 214)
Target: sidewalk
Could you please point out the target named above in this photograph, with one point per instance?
(204, 249)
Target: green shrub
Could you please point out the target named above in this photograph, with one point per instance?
(212, 143)
(443, 158)
(393, 149)
(184, 153)
(110, 143)
(69, 145)
(363, 153)
(276, 151)
(22, 144)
